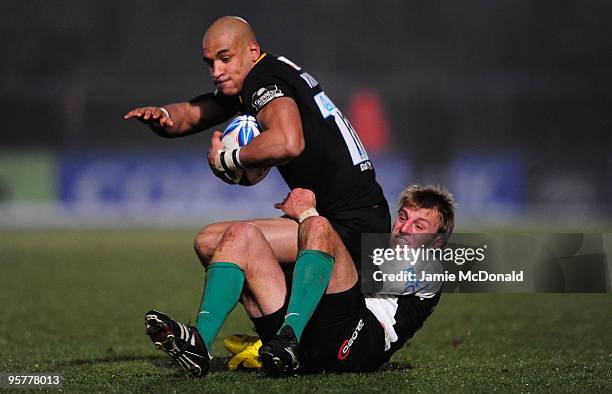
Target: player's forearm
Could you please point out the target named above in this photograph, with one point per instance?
(195, 115)
(282, 140)
(179, 114)
(270, 149)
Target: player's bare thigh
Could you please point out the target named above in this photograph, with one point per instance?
(281, 233)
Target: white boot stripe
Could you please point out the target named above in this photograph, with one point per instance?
(184, 332)
(182, 363)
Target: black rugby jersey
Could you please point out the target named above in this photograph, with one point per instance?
(334, 163)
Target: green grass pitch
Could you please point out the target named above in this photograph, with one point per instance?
(73, 302)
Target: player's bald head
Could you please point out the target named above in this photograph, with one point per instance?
(232, 28)
(230, 50)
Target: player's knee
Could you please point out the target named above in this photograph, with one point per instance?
(315, 233)
(240, 234)
(206, 241)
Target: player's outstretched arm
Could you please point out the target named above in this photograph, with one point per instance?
(181, 119)
(282, 139)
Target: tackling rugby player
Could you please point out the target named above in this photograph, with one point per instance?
(347, 332)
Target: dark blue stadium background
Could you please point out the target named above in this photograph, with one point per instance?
(506, 102)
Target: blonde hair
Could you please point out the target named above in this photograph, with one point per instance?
(431, 197)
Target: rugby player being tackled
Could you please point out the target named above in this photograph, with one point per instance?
(348, 331)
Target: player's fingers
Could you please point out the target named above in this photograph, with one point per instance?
(147, 114)
(132, 113)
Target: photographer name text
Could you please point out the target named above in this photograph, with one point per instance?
(462, 276)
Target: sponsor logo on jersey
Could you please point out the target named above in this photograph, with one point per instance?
(345, 348)
(326, 106)
(264, 95)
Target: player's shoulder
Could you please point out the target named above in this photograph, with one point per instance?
(275, 68)
(272, 76)
(270, 63)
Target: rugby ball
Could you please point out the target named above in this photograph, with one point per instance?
(239, 132)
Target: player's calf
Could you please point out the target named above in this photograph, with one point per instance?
(315, 233)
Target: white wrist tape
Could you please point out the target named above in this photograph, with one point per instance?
(218, 165)
(228, 160)
(307, 213)
(165, 111)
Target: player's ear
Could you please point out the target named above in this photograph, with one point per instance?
(254, 50)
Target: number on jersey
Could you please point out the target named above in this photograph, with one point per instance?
(353, 143)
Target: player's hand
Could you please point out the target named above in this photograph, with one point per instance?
(296, 202)
(215, 146)
(152, 116)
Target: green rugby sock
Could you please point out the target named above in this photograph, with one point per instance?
(311, 275)
(221, 293)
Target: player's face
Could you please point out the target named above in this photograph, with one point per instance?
(229, 61)
(415, 227)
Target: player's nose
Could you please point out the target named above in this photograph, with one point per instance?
(407, 227)
(216, 70)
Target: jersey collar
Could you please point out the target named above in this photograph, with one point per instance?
(260, 57)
